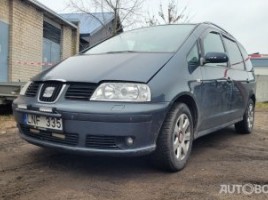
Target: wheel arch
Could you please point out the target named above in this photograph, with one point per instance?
(189, 100)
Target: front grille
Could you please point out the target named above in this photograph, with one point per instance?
(32, 89)
(70, 138)
(50, 91)
(104, 142)
(80, 91)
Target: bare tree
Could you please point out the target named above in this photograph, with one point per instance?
(124, 10)
(172, 15)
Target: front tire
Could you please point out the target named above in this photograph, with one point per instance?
(175, 140)
(246, 125)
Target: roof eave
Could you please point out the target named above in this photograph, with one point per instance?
(51, 14)
(100, 27)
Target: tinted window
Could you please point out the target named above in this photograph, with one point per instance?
(235, 57)
(213, 43)
(153, 39)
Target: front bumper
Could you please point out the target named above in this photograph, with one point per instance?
(95, 127)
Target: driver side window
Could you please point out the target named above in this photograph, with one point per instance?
(213, 43)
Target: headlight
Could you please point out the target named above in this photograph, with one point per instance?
(25, 87)
(131, 92)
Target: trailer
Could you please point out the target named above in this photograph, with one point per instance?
(9, 91)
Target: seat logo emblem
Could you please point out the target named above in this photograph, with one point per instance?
(48, 92)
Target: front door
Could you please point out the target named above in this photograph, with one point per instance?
(216, 88)
(4, 32)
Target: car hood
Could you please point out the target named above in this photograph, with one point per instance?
(136, 67)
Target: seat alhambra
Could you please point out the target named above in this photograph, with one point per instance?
(146, 91)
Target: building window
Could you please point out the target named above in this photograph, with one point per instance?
(51, 45)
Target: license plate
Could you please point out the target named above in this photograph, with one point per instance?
(39, 121)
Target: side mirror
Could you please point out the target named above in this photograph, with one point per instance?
(216, 57)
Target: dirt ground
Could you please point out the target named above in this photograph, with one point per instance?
(224, 157)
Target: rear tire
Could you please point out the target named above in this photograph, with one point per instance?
(175, 140)
(246, 125)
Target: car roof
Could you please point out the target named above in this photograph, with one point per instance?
(199, 27)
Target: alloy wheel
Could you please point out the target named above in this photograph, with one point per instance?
(250, 115)
(182, 137)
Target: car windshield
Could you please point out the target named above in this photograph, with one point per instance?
(153, 39)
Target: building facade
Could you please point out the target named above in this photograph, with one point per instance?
(94, 27)
(32, 37)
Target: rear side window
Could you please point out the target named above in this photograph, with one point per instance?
(247, 61)
(244, 52)
(235, 57)
(213, 43)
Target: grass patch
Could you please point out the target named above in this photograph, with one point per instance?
(262, 105)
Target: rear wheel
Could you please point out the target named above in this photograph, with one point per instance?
(174, 143)
(246, 125)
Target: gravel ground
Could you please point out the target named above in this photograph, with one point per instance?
(224, 157)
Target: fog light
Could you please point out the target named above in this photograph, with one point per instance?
(22, 106)
(43, 109)
(129, 141)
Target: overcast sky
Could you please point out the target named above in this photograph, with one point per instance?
(246, 20)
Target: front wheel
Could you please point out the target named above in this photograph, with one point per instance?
(246, 125)
(175, 140)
